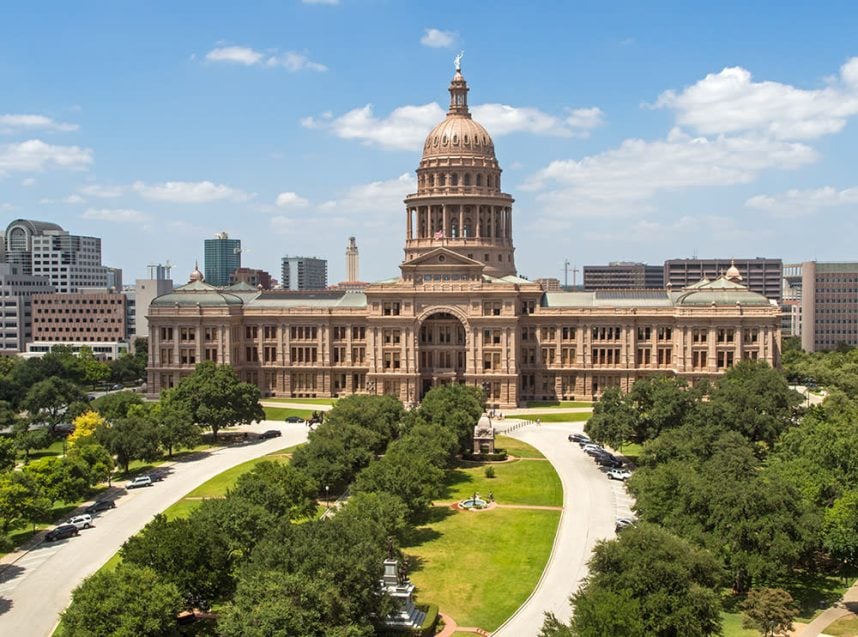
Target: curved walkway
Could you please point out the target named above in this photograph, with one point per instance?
(847, 605)
(36, 585)
(591, 504)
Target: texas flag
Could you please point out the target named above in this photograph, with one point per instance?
(439, 234)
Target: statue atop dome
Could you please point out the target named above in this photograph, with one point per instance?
(457, 61)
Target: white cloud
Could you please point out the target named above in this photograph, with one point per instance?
(404, 129)
(189, 192)
(796, 203)
(731, 102)
(35, 155)
(74, 199)
(381, 197)
(407, 126)
(621, 181)
(29, 181)
(291, 199)
(102, 191)
(292, 61)
(115, 215)
(15, 123)
(235, 54)
(437, 39)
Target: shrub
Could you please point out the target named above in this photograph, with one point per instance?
(490, 472)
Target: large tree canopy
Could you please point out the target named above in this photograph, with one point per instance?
(216, 398)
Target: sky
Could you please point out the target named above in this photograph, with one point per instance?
(627, 131)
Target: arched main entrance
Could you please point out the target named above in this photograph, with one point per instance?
(442, 347)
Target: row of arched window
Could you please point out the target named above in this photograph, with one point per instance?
(441, 180)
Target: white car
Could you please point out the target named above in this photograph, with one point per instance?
(83, 521)
(139, 481)
(619, 474)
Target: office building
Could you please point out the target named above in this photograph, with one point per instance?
(253, 277)
(222, 258)
(70, 262)
(79, 317)
(623, 275)
(145, 291)
(457, 312)
(763, 276)
(303, 273)
(16, 292)
(829, 305)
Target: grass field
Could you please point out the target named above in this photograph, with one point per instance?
(558, 403)
(218, 485)
(846, 627)
(480, 567)
(555, 417)
(281, 413)
(531, 482)
(516, 447)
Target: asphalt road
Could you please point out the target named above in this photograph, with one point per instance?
(591, 504)
(37, 586)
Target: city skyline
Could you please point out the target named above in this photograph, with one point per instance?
(625, 133)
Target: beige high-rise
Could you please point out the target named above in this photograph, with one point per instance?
(457, 312)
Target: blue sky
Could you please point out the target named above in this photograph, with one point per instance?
(626, 130)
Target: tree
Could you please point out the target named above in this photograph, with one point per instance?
(660, 403)
(116, 404)
(380, 414)
(601, 612)
(187, 552)
(334, 454)
(238, 522)
(26, 438)
(20, 500)
(753, 399)
(769, 610)
(279, 488)
(174, 423)
(84, 426)
(613, 421)
(94, 370)
(840, 529)
(96, 457)
(60, 479)
(132, 438)
(666, 586)
(48, 400)
(216, 398)
(8, 453)
(129, 601)
(456, 407)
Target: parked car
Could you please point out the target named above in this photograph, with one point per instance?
(580, 439)
(83, 521)
(294, 419)
(157, 476)
(619, 474)
(117, 387)
(608, 460)
(62, 532)
(139, 481)
(271, 433)
(623, 523)
(99, 506)
(590, 446)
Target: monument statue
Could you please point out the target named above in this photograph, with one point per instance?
(457, 61)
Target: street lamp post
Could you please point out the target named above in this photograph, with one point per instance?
(327, 497)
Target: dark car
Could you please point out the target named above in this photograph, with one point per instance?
(62, 532)
(157, 476)
(271, 433)
(294, 419)
(581, 439)
(608, 460)
(100, 505)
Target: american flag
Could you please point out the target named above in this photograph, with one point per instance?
(439, 234)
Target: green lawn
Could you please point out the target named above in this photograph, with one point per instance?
(218, 485)
(304, 401)
(846, 627)
(732, 625)
(558, 403)
(516, 447)
(480, 567)
(519, 482)
(281, 413)
(555, 417)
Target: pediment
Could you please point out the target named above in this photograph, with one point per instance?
(442, 259)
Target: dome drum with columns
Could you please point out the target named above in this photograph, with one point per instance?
(459, 204)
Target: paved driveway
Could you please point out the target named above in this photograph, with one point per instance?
(36, 587)
(591, 504)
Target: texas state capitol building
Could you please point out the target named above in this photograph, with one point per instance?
(458, 313)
